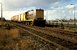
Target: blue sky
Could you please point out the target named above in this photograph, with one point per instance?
(54, 9)
(63, 10)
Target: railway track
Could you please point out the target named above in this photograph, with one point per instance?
(44, 37)
(62, 31)
(62, 34)
(56, 41)
(71, 41)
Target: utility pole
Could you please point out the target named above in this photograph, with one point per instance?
(1, 11)
(74, 13)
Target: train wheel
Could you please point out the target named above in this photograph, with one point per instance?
(29, 23)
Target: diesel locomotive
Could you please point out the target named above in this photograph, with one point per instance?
(31, 17)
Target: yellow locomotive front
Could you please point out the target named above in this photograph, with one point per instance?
(39, 14)
(35, 14)
(36, 17)
(39, 17)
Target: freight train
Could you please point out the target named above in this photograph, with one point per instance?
(31, 17)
